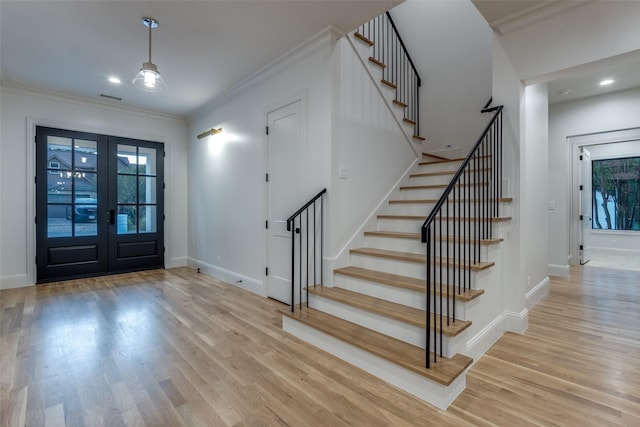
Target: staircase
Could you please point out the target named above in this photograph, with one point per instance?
(404, 307)
(375, 314)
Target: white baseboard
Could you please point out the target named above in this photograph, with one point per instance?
(244, 282)
(614, 252)
(177, 262)
(537, 293)
(17, 281)
(516, 322)
(480, 343)
(558, 270)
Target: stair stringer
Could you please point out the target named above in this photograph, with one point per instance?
(385, 92)
(341, 259)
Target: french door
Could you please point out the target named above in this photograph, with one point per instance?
(99, 204)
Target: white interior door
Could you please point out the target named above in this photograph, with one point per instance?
(284, 194)
(586, 205)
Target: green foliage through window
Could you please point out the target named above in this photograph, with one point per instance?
(616, 194)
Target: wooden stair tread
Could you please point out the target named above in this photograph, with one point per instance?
(408, 356)
(450, 218)
(419, 138)
(363, 39)
(452, 172)
(436, 186)
(419, 258)
(435, 162)
(419, 175)
(377, 62)
(404, 282)
(400, 103)
(392, 310)
(389, 84)
(410, 201)
(417, 236)
(459, 159)
(435, 156)
(409, 121)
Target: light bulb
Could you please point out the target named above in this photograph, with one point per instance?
(150, 79)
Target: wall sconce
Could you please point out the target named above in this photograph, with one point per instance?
(210, 132)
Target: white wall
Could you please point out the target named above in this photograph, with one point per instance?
(368, 142)
(348, 126)
(587, 34)
(20, 107)
(534, 183)
(536, 54)
(450, 44)
(227, 184)
(610, 112)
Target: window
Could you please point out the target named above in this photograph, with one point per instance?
(54, 167)
(616, 194)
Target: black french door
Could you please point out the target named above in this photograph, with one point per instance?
(99, 204)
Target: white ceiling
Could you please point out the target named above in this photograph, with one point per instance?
(201, 48)
(505, 17)
(204, 48)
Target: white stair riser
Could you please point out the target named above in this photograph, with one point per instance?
(427, 390)
(390, 293)
(437, 167)
(399, 330)
(404, 268)
(417, 247)
(386, 265)
(403, 225)
(414, 226)
(429, 180)
(420, 193)
(425, 208)
(395, 244)
(439, 179)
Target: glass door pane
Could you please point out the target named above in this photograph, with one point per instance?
(72, 187)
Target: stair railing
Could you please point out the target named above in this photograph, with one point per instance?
(307, 223)
(398, 68)
(454, 230)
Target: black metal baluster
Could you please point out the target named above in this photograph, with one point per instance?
(428, 299)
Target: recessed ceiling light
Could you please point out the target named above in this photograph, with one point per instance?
(606, 82)
(114, 80)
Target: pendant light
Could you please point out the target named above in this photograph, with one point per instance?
(148, 78)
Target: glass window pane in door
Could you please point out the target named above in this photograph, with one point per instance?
(127, 220)
(86, 187)
(148, 219)
(127, 189)
(85, 155)
(147, 161)
(147, 190)
(82, 226)
(127, 159)
(59, 151)
(59, 187)
(59, 221)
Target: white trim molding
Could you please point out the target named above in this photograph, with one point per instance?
(537, 293)
(236, 279)
(558, 270)
(17, 281)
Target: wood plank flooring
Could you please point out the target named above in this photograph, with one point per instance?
(174, 348)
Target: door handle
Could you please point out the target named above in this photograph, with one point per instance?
(112, 216)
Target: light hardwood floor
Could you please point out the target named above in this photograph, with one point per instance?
(165, 348)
